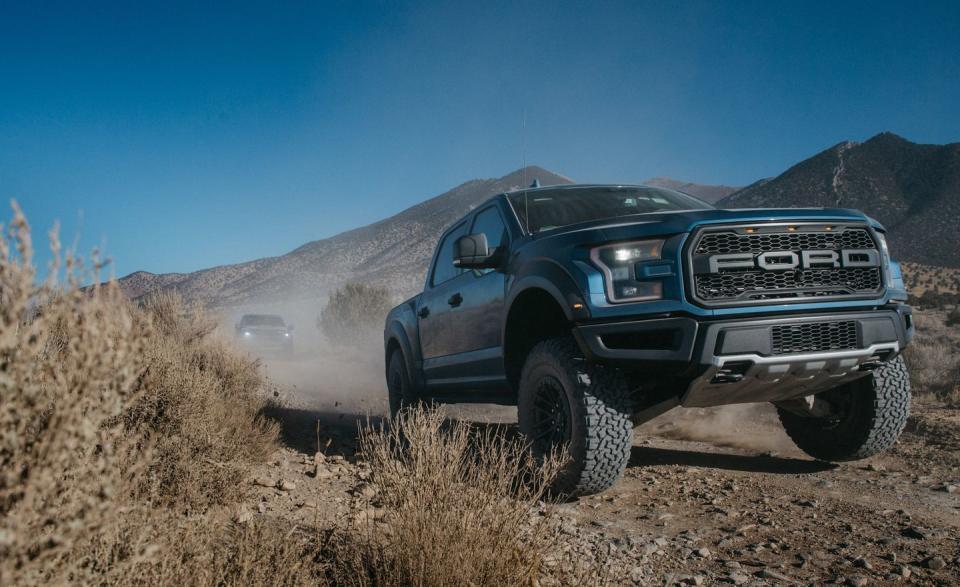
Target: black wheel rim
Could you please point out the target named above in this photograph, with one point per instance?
(551, 416)
(842, 405)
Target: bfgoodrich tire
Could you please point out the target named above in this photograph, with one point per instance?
(870, 415)
(566, 401)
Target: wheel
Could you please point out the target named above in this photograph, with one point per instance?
(564, 400)
(870, 414)
(399, 387)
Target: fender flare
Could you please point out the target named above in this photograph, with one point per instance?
(396, 332)
(553, 279)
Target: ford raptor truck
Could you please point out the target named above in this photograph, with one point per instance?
(594, 308)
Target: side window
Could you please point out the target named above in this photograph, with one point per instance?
(489, 223)
(444, 269)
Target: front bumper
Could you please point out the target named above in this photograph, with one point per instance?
(741, 361)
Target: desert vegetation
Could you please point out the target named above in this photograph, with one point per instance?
(932, 287)
(120, 426)
(129, 435)
(457, 506)
(354, 313)
(934, 357)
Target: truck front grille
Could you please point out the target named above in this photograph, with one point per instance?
(758, 264)
(811, 337)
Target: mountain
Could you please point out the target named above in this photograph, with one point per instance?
(708, 193)
(393, 252)
(913, 189)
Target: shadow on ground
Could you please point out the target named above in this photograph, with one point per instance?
(304, 430)
(336, 433)
(644, 456)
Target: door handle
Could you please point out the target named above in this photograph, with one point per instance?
(423, 312)
(455, 300)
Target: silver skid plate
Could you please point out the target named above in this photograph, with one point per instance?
(781, 377)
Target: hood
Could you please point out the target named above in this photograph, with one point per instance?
(681, 221)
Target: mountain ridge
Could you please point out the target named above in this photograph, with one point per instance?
(914, 190)
(392, 252)
(707, 193)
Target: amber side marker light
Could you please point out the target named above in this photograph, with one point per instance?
(578, 306)
(750, 230)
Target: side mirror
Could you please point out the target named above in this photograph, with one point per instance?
(289, 327)
(472, 252)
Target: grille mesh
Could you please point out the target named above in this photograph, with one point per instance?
(731, 242)
(813, 337)
(762, 284)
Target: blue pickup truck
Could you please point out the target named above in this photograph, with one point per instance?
(594, 308)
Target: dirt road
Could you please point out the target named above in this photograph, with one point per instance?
(719, 497)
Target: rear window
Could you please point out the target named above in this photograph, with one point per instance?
(542, 210)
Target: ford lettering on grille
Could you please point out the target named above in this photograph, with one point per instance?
(782, 260)
(767, 264)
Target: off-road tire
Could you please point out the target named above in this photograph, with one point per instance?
(399, 387)
(875, 411)
(600, 433)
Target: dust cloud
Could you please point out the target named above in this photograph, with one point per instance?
(327, 377)
(321, 375)
(745, 426)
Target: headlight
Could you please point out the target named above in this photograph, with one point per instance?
(286, 334)
(885, 257)
(618, 265)
(247, 333)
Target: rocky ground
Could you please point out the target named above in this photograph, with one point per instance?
(699, 504)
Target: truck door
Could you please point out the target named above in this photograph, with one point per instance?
(468, 351)
(440, 334)
(483, 290)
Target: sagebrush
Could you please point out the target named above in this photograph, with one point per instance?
(460, 506)
(934, 358)
(354, 313)
(110, 413)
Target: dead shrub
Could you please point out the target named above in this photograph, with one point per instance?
(459, 507)
(108, 411)
(201, 403)
(354, 313)
(933, 358)
(262, 553)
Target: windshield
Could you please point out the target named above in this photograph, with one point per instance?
(261, 320)
(561, 207)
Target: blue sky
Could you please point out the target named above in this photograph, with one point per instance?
(186, 135)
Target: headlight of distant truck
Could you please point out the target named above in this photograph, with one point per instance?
(618, 263)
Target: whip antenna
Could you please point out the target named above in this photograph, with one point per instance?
(523, 169)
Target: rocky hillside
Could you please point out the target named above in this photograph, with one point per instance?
(914, 190)
(707, 193)
(393, 252)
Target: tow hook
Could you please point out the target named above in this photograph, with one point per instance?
(731, 372)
